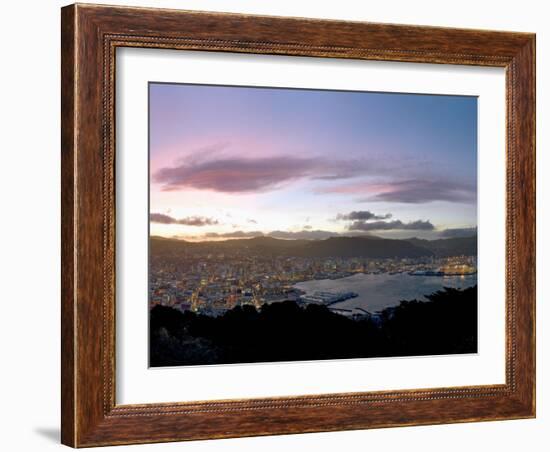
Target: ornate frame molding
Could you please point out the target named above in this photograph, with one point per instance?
(90, 37)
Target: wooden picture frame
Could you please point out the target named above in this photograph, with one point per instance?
(90, 36)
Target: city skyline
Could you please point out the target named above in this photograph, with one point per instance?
(238, 162)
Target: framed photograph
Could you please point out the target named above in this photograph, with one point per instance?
(281, 225)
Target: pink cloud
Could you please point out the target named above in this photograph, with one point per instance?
(234, 175)
(245, 174)
(413, 191)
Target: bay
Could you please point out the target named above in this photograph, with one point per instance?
(379, 291)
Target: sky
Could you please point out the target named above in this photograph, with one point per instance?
(235, 162)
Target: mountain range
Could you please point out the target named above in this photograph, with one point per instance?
(365, 246)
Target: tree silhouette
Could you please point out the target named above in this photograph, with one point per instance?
(444, 324)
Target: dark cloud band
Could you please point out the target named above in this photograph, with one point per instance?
(363, 215)
(187, 221)
(423, 191)
(458, 232)
(418, 225)
(304, 234)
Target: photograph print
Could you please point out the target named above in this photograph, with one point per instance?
(301, 224)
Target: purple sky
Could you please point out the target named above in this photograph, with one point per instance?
(292, 163)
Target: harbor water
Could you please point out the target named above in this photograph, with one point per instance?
(378, 291)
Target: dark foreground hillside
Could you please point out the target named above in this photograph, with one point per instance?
(446, 324)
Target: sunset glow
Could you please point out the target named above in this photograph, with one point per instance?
(235, 162)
